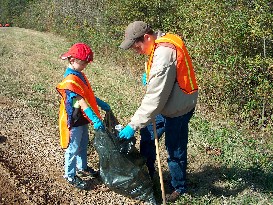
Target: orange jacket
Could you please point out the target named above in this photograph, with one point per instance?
(76, 85)
(184, 71)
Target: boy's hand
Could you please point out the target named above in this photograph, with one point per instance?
(98, 125)
(103, 104)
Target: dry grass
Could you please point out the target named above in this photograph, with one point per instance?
(225, 166)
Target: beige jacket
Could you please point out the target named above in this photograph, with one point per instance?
(163, 95)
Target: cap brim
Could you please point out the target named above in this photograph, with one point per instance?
(65, 56)
(127, 43)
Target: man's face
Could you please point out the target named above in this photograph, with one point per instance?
(144, 47)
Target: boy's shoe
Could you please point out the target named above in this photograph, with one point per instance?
(173, 196)
(88, 172)
(77, 182)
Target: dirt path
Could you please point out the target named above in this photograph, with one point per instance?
(31, 160)
(31, 163)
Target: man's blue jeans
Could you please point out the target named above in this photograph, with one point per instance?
(176, 140)
(147, 144)
(76, 153)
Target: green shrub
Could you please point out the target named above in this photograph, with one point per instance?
(230, 42)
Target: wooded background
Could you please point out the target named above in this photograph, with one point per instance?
(230, 42)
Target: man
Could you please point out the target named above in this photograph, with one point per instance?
(172, 91)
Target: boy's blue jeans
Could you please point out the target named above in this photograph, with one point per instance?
(176, 140)
(76, 153)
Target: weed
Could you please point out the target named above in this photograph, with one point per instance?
(226, 165)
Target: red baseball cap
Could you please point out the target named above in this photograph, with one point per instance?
(80, 51)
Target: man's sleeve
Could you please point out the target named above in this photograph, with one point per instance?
(159, 86)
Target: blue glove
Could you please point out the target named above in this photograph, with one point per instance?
(144, 79)
(127, 132)
(97, 123)
(103, 104)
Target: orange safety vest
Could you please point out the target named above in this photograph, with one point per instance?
(76, 85)
(184, 72)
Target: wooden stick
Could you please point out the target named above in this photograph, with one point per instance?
(159, 165)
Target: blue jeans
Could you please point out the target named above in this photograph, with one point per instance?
(176, 140)
(76, 153)
(147, 144)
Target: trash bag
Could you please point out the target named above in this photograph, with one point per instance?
(110, 121)
(122, 168)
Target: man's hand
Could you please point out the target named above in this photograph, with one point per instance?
(127, 132)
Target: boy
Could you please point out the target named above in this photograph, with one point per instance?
(78, 107)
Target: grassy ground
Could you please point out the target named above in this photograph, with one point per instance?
(226, 165)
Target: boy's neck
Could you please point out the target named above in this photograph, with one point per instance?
(71, 67)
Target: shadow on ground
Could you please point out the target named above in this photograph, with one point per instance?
(224, 181)
(3, 139)
(221, 181)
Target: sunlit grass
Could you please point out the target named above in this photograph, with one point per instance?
(227, 165)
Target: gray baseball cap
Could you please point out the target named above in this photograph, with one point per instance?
(133, 31)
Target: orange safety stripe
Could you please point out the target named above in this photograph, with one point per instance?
(64, 133)
(76, 85)
(185, 72)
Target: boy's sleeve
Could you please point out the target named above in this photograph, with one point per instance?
(69, 105)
